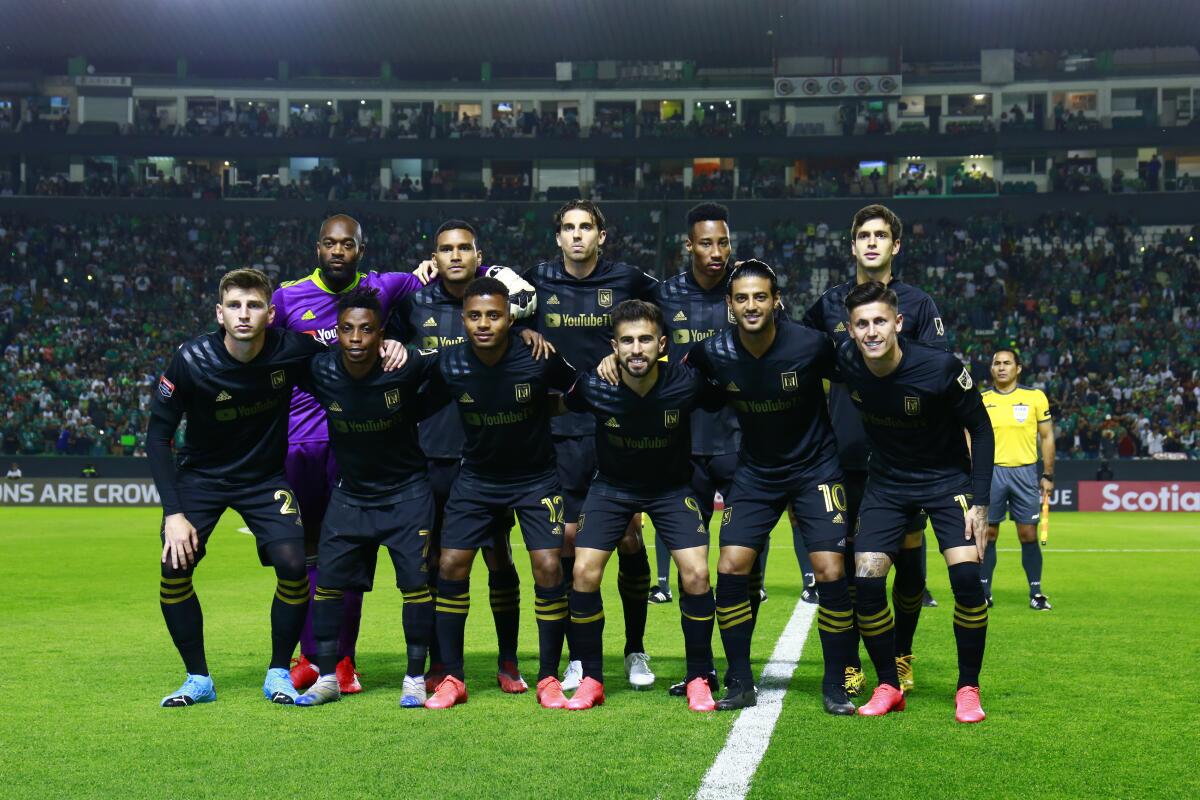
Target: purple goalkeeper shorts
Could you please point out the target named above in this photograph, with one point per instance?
(312, 472)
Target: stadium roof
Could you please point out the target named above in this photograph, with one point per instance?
(711, 32)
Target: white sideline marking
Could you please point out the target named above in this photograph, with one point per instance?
(1107, 550)
(733, 770)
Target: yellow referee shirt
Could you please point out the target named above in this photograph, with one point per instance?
(1015, 417)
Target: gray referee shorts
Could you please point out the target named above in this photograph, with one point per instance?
(1016, 490)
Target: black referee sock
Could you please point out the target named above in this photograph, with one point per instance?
(908, 592)
(988, 569)
(662, 561)
(417, 619)
(877, 628)
(550, 608)
(185, 621)
(450, 622)
(633, 583)
(696, 614)
(1031, 560)
(587, 624)
(970, 621)
(504, 591)
(327, 623)
(734, 618)
(835, 623)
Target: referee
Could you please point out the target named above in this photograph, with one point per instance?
(1020, 417)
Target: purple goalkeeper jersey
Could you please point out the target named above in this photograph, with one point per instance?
(309, 306)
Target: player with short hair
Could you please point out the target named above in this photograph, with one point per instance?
(643, 448)
(1021, 420)
(915, 401)
(502, 395)
(771, 371)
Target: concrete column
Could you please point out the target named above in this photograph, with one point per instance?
(689, 108)
(1049, 123)
(998, 171)
(485, 114)
(284, 174)
(128, 111)
(1104, 106)
(180, 110)
(386, 122)
(689, 176)
(486, 174)
(741, 114)
(385, 178)
(1104, 167)
(178, 174)
(75, 170)
(23, 176)
(587, 110)
(80, 109)
(534, 177)
(284, 115)
(587, 177)
(789, 175)
(737, 178)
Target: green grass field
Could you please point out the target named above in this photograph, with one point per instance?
(1089, 700)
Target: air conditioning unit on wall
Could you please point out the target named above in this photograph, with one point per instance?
(839, 86)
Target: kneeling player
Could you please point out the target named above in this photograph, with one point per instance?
(915, 403)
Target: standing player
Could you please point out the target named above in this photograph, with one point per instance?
(771, 371)
(915, 402)
(643, 449)
(875, 234)
(508, 465)
(1021, 420)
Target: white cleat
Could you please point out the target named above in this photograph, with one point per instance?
(413, 694)
(637, 667)
(573, 676)
(325, 690)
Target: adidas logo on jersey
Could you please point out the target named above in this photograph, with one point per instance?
(334, 406)
(680, 317)
(855, 397)
(553, 301)
(223, 396)
(308, 315)
(839, 519)
(612, 423)
(732, 387)
(840, 328)
(430, 323)
(466, 398)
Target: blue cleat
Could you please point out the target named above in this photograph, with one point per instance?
(196, 689)
(325, 690)
(278, 687)
(414, 695)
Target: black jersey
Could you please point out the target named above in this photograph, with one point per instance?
(504, 409)
(431, 319)
(693, 315)
(914, 419)
(643, 444)
(575, 315)
(922, 323)
(779, 400)
(373, 423)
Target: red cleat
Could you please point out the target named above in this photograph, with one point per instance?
(450, 692)
(699, 695)
(884, 699)
(434, 678)
(590, 693)
(550, 693)
(304, 673)
(510, 680)
(347, 677)
(966, 705)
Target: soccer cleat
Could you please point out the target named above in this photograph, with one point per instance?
(347, 676)
(928, 600)
(699, 695)
(277, 687)
(966, 705)
(837, 702)
(637, 669)
(809, 595)
(450, 692)
(680, 689)
(855, 681)
(885, 698)
(1039, 602)
(195, 689)
(659, 595)
(434, 678)
(989, 601)
(325, 690)
(572, 677)
(762, 595)
(509, 679)
(304, 673)
(550, 693)
(904, 672)
(413, 695)
(589, 694)
(738, 696)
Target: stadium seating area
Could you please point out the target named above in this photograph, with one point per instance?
(1104, 314)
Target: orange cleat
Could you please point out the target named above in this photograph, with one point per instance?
(884, 699)
(699, 695)
(509, 679)
(304, 674)
(450, 692)
(550, 693)
(966, 705)
(434, 678)
(590, 693)
(347, 676)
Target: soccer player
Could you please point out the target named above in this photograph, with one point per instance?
(771, 371)
(501, 393)
(643, 452)
(377, 501)
(233, 387)
(875, 234)
(575, 294)
(1021, 420)
(915, 402)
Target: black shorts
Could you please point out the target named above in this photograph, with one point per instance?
(478, 506)
(751, 513)
(576, 456)
(712, 474)
(353, 532)
(676, 516)
(442, 473)
(269, 509)
(885, 518)
(855, 481)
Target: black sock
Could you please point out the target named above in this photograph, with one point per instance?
(970, 621)
(877, 628)
(735, 620)
(417, 619)
(835, 623)
(435, 650)
(550, 608)
(587, 622)
(662, 560)
(185, 621)
(908, 592)
(327, 624)
(504, 590)
(989, 568)
(1031, 560)
(855, 659)
(288, 611)
(696, 613)
(754, 592)
(802, 556)
(450, 623)
(633, 583)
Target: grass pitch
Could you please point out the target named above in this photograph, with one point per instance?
(1088, 700)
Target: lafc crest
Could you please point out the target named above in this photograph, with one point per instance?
(604, 298)
(524, 392)
(790, 381)
(278, 379)
(912, 406)
(671, 418)
(392, 398)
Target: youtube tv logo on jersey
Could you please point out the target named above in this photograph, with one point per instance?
(1139, 495)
